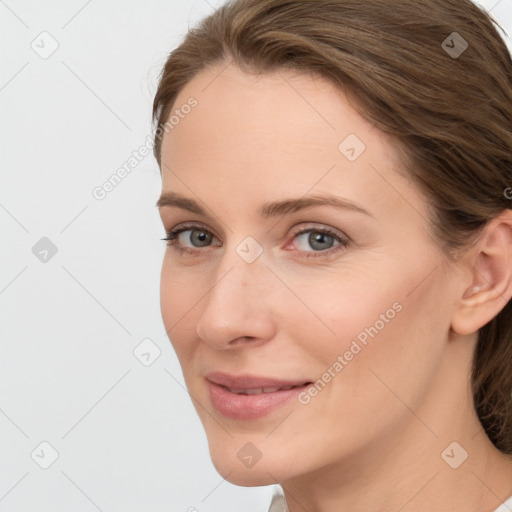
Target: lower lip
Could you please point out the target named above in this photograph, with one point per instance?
(249, 407)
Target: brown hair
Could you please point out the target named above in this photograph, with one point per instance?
(445, 97)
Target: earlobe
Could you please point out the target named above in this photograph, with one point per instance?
(491, 273)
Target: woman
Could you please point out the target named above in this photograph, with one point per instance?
(336, 195)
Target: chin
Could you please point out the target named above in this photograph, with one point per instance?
(247, 478)
(228, 460)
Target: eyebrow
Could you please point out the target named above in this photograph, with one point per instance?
(267, 210)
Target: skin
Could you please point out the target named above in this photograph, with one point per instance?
(372, 439)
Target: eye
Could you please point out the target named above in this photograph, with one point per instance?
(322, 241)
(197, 236)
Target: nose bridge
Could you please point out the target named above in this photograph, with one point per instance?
(241, 269)
(235, 306)
(236, 282)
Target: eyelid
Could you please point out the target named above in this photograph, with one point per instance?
(314, 226)
(305, 226)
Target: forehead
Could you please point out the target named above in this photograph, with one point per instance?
(275, 134)
(286, 112)
(270, 109)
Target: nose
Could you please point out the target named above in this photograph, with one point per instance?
(237, 309)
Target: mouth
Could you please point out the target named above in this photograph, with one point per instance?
(248, 397)
(259, 391)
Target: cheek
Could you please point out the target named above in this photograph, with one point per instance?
(180, 290)
(180, 294)
(391, 343)
(170, 292)
(373, 315)
(343, 308)
(368, 299)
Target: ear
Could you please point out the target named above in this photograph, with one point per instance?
(490, 263)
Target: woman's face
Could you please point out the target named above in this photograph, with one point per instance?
(275, 289)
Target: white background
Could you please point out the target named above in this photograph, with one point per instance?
(127, 435)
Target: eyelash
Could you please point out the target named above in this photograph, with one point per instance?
(172, 239)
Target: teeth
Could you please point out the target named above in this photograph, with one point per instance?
(255, 391)
(259, 391)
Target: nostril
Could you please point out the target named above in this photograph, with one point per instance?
(243, 339)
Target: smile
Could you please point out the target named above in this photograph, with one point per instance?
(250, 398)
(259, 391)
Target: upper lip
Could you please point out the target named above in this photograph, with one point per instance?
(250, 381)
